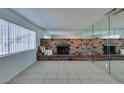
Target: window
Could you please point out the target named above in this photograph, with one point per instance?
(46, 37)
(14, 38)
(3, 37)
(32, 40)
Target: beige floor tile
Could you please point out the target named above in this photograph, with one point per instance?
(73, 81)
(50, 82)
(63, 72)
(62, 81)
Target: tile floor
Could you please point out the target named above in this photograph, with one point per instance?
(63, 72)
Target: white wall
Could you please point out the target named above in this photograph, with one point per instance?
(13, 64)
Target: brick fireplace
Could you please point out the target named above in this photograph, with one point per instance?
(81, 49)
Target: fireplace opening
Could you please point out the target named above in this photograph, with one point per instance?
(109, 49)
(63, 49)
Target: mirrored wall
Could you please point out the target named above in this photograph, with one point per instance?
(106, 38)
(117, 40)
(100, 43)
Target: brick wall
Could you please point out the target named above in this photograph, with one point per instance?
(82, 46)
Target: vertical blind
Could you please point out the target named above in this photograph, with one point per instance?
(15, 38)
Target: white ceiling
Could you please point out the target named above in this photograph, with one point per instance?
(62, 20)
